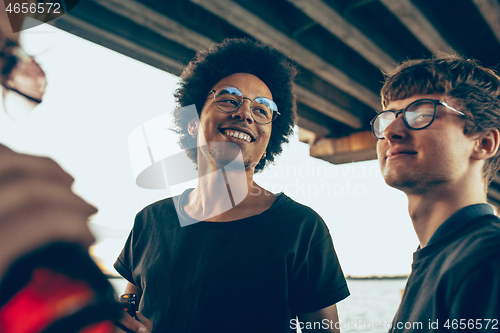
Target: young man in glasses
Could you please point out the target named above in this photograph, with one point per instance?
(438, 143)
(230, 256)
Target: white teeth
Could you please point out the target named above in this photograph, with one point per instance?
(239, 135)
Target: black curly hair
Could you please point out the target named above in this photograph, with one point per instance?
(238, 55)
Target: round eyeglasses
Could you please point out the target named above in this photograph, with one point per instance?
(417, 115)
(23, 81)
(229, 99)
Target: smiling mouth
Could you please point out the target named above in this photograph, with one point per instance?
(403, 153)
(238, 135)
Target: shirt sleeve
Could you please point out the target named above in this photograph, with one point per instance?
(477, 300)
(320, 281)
(124, 264)
(121, 264)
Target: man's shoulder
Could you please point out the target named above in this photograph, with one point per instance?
(286, 205)
(478, 245)
(159, 205)
(474, 270)
(293, 215)
(157, 209)
(482, 235)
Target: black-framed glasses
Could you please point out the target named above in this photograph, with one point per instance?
(23, 80)
(417, 115)
(229, 99)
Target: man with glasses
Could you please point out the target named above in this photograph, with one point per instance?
(228, 255)
(438, 142)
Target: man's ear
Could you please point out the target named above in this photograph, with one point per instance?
(193, 127)
(486, 145)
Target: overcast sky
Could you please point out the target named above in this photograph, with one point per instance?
(95, 98)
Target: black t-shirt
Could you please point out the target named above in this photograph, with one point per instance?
(250, 275)
(455, 280)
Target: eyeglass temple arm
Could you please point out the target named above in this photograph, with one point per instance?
(451, 108)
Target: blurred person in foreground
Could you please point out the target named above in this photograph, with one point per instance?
(438, 143)
(228, 255)
(48, 282)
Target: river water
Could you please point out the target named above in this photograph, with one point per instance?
(371, 305)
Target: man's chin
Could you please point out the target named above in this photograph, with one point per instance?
(228, 156)
(406, 185)
(398, 180)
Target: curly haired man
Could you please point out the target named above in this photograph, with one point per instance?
(246, 260)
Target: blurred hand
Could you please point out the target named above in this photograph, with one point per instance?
(143, 325)
(37, 206)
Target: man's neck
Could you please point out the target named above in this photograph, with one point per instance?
(227, 195)
(428, 210)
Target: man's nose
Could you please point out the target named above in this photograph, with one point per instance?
(244, 111)
(396, 129)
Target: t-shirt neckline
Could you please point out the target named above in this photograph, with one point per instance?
(182, 199)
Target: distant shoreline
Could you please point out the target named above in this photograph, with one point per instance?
(377, 277)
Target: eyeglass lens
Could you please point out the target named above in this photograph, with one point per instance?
(417, 115)
(24, 87)
(229, 98)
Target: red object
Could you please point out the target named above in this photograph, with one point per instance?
(48, 297)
